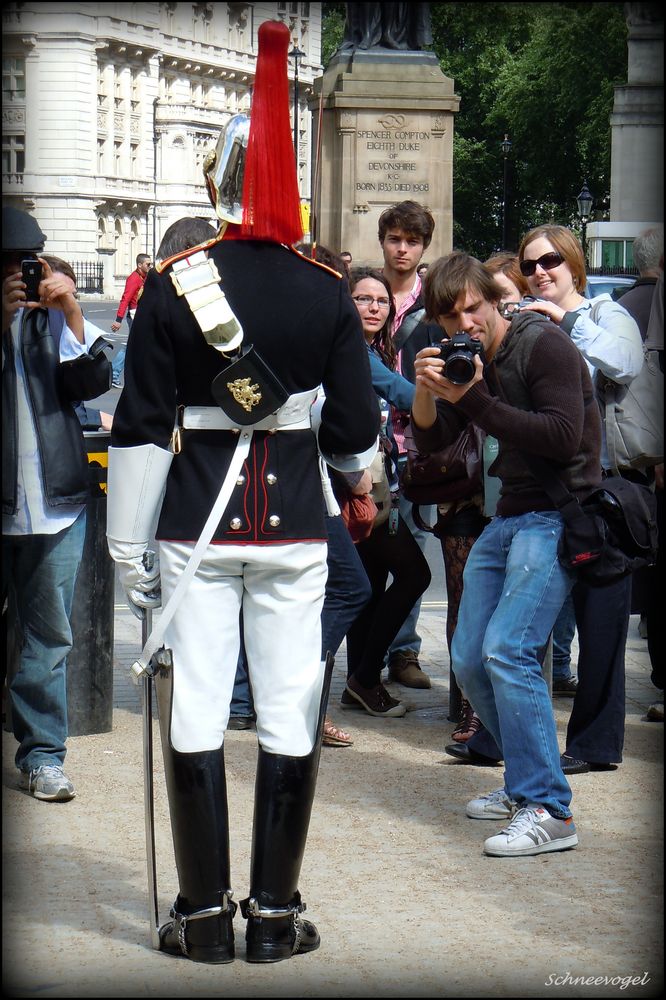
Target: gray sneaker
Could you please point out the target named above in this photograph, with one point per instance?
(48, 782)
(532, 831)
(494, 805)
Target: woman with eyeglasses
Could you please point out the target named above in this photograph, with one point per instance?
(551, 259)
(390, 548)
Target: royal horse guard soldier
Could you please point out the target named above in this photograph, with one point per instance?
(225, 336)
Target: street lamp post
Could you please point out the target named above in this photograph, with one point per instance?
(585, 200)
(505, 146)
(296, 54)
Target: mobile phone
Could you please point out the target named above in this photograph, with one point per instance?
(31, 273)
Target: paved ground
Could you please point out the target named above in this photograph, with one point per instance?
(394, 875)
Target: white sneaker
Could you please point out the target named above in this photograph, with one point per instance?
(494, 805)
(49, 783)
(532, 831)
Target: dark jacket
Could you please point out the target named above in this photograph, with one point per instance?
(62, 451)
(536, 397)
(637, 300)
(302, 320)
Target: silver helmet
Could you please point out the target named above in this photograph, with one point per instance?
(224, 169)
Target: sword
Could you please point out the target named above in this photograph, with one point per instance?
(146, 679)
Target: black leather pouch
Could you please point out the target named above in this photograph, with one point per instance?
(248, 390)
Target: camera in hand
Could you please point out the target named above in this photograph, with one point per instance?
(458, 353)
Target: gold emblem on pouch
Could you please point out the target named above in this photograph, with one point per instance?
(246, 395)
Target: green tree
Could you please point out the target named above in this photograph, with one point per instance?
(543, 73)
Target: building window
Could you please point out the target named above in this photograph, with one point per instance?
(134, 159)
(168, 20)
(100, 156)
(202, 15)
(13, 154)
(617, 254)
(134, 240)
(13, 78)
(117, 153)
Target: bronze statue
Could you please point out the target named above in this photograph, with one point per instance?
(403, 26)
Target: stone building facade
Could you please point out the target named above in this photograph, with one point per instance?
(109, 110)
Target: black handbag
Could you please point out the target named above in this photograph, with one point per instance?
(611, 533)
(247, 390)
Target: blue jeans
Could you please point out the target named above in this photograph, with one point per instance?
(241, 699)
(118, 363)
(347, 587)
(513, 590)
(40, 572)
(563, 633)
(408, 637)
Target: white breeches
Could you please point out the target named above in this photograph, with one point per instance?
(280, 590)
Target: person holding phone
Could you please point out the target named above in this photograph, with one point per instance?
(44, 492)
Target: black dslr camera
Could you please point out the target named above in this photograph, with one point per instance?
(458, 353)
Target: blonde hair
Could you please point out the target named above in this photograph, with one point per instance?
(566, 245)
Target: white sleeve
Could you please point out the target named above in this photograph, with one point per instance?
(71, 348)
(611, 342)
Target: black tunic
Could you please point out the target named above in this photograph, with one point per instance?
(303, 322)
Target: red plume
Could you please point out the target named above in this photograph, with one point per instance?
(271, 202)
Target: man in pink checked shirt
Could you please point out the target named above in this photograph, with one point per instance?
(405, 232)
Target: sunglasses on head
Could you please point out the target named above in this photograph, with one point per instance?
(547, 261)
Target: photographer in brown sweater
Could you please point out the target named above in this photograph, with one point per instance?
(529, 387)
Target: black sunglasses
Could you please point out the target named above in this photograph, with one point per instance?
(547, 261)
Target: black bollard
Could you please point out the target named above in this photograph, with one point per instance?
(90, 663)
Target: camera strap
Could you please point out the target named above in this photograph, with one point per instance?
(407, 327)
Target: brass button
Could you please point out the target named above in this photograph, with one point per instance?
(235, 524)
(271, 479)
(274, 521)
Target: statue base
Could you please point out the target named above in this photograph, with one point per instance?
(386, 136)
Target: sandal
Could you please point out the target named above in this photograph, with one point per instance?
(468, 726)
(335, 737)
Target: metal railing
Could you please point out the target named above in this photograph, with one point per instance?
(614, 269)
(89, 276)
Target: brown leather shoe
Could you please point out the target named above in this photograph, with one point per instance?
(404, 669)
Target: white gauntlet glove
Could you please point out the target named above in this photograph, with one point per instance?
(141, 585)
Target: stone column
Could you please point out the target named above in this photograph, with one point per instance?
(637, 121)
(386, 136)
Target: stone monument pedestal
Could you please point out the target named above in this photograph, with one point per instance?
(386, 119)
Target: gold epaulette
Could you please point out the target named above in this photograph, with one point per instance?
(196, 278)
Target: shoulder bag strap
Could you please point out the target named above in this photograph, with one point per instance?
(407, 327)
(564, 501)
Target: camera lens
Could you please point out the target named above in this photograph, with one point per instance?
(460, 367)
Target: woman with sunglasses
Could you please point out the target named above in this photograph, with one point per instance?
(390, 548)
(551, 258)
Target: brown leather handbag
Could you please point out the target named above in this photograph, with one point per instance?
(453, 473)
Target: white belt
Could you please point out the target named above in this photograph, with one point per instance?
(294, 415)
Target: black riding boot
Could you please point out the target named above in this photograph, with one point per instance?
(201, 927)
(284, 792)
